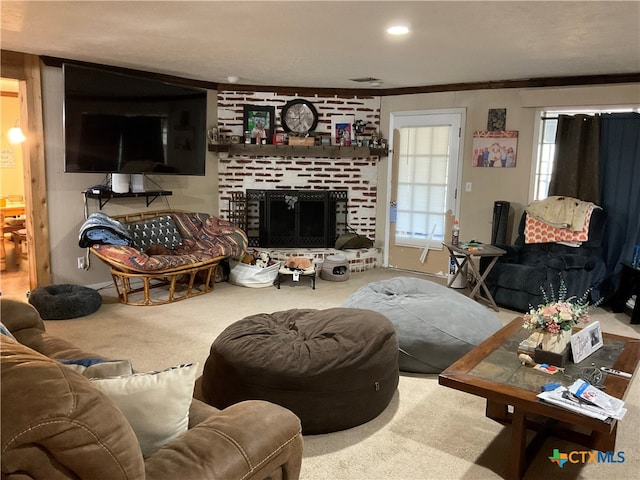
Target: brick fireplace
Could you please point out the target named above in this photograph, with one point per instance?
(295, 218)
(357, 177)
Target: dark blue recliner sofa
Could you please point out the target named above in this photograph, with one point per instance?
(516, 279)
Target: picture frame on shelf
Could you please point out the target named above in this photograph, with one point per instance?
(342, 130)
(259, 121)
(279, 138)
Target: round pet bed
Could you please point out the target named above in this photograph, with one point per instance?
(335, 268)
(334, 368)
(435, 325)
(61, 302)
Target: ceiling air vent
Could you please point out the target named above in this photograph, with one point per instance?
(365, 80)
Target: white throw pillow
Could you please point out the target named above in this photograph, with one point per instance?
(156, 404)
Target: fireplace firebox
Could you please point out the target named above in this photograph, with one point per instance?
(293, 218)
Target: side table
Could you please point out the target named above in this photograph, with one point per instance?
(629, 285)
(482, 250)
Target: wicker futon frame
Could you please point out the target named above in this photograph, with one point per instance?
(184, 282)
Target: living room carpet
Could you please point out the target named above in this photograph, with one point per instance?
(427, 432)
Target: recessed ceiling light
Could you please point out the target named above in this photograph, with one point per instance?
(232, 79)
(398, 30)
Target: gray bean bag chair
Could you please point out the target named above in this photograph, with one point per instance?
(435, 325)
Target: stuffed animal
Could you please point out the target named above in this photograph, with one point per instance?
(298, 263)
(248, 259)
(263, 259)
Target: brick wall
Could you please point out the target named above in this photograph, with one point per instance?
(356, 175)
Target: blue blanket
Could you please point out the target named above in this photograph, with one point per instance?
(102, 229)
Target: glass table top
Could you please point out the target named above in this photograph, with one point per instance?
(502, 365)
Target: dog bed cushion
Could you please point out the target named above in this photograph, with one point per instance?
(435, 325)
(64, 301)
(334, 368)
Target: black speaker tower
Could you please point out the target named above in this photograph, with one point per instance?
(500, 220)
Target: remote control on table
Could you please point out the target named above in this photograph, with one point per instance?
(615, 372)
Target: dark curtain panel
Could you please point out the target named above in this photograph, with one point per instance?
(575, 172)
(620, 191)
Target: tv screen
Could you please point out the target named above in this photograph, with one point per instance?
(120, 123)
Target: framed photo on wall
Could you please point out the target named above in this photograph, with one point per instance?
(259, 121)
(342, 129)
(494, 148)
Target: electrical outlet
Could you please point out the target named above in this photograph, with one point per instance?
(81, 263)
(467, 187)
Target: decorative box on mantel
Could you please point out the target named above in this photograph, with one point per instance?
(305, 141)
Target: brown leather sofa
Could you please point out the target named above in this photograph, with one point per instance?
(57, 425)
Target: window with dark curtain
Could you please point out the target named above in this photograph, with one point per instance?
(620, 191)
(575, 171)
(597, 159)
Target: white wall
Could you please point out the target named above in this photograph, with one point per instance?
(65, 198)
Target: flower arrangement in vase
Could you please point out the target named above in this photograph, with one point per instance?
(554, 320)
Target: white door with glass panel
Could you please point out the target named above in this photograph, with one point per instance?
(424, 172)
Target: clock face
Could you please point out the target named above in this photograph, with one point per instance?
(299, 116)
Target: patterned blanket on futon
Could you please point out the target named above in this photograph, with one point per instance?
(204, 237)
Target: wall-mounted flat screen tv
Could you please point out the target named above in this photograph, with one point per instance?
(121, 123)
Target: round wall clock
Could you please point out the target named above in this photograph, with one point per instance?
(299, 116)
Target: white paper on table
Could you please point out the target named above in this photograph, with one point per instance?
(610, 405)
(555, 397)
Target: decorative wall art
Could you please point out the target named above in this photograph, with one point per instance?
(259, 123)
(497, 119)
(342, 129)
(494, 149)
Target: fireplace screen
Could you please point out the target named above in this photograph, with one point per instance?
(295, 218)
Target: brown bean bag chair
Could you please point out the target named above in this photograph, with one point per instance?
(334, 368)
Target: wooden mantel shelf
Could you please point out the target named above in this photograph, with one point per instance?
(298, 150)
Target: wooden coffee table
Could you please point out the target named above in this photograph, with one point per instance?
(492, 370)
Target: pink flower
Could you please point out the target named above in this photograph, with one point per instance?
(553, 327)
(557, 315)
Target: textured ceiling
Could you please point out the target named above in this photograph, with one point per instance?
(325, 44)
